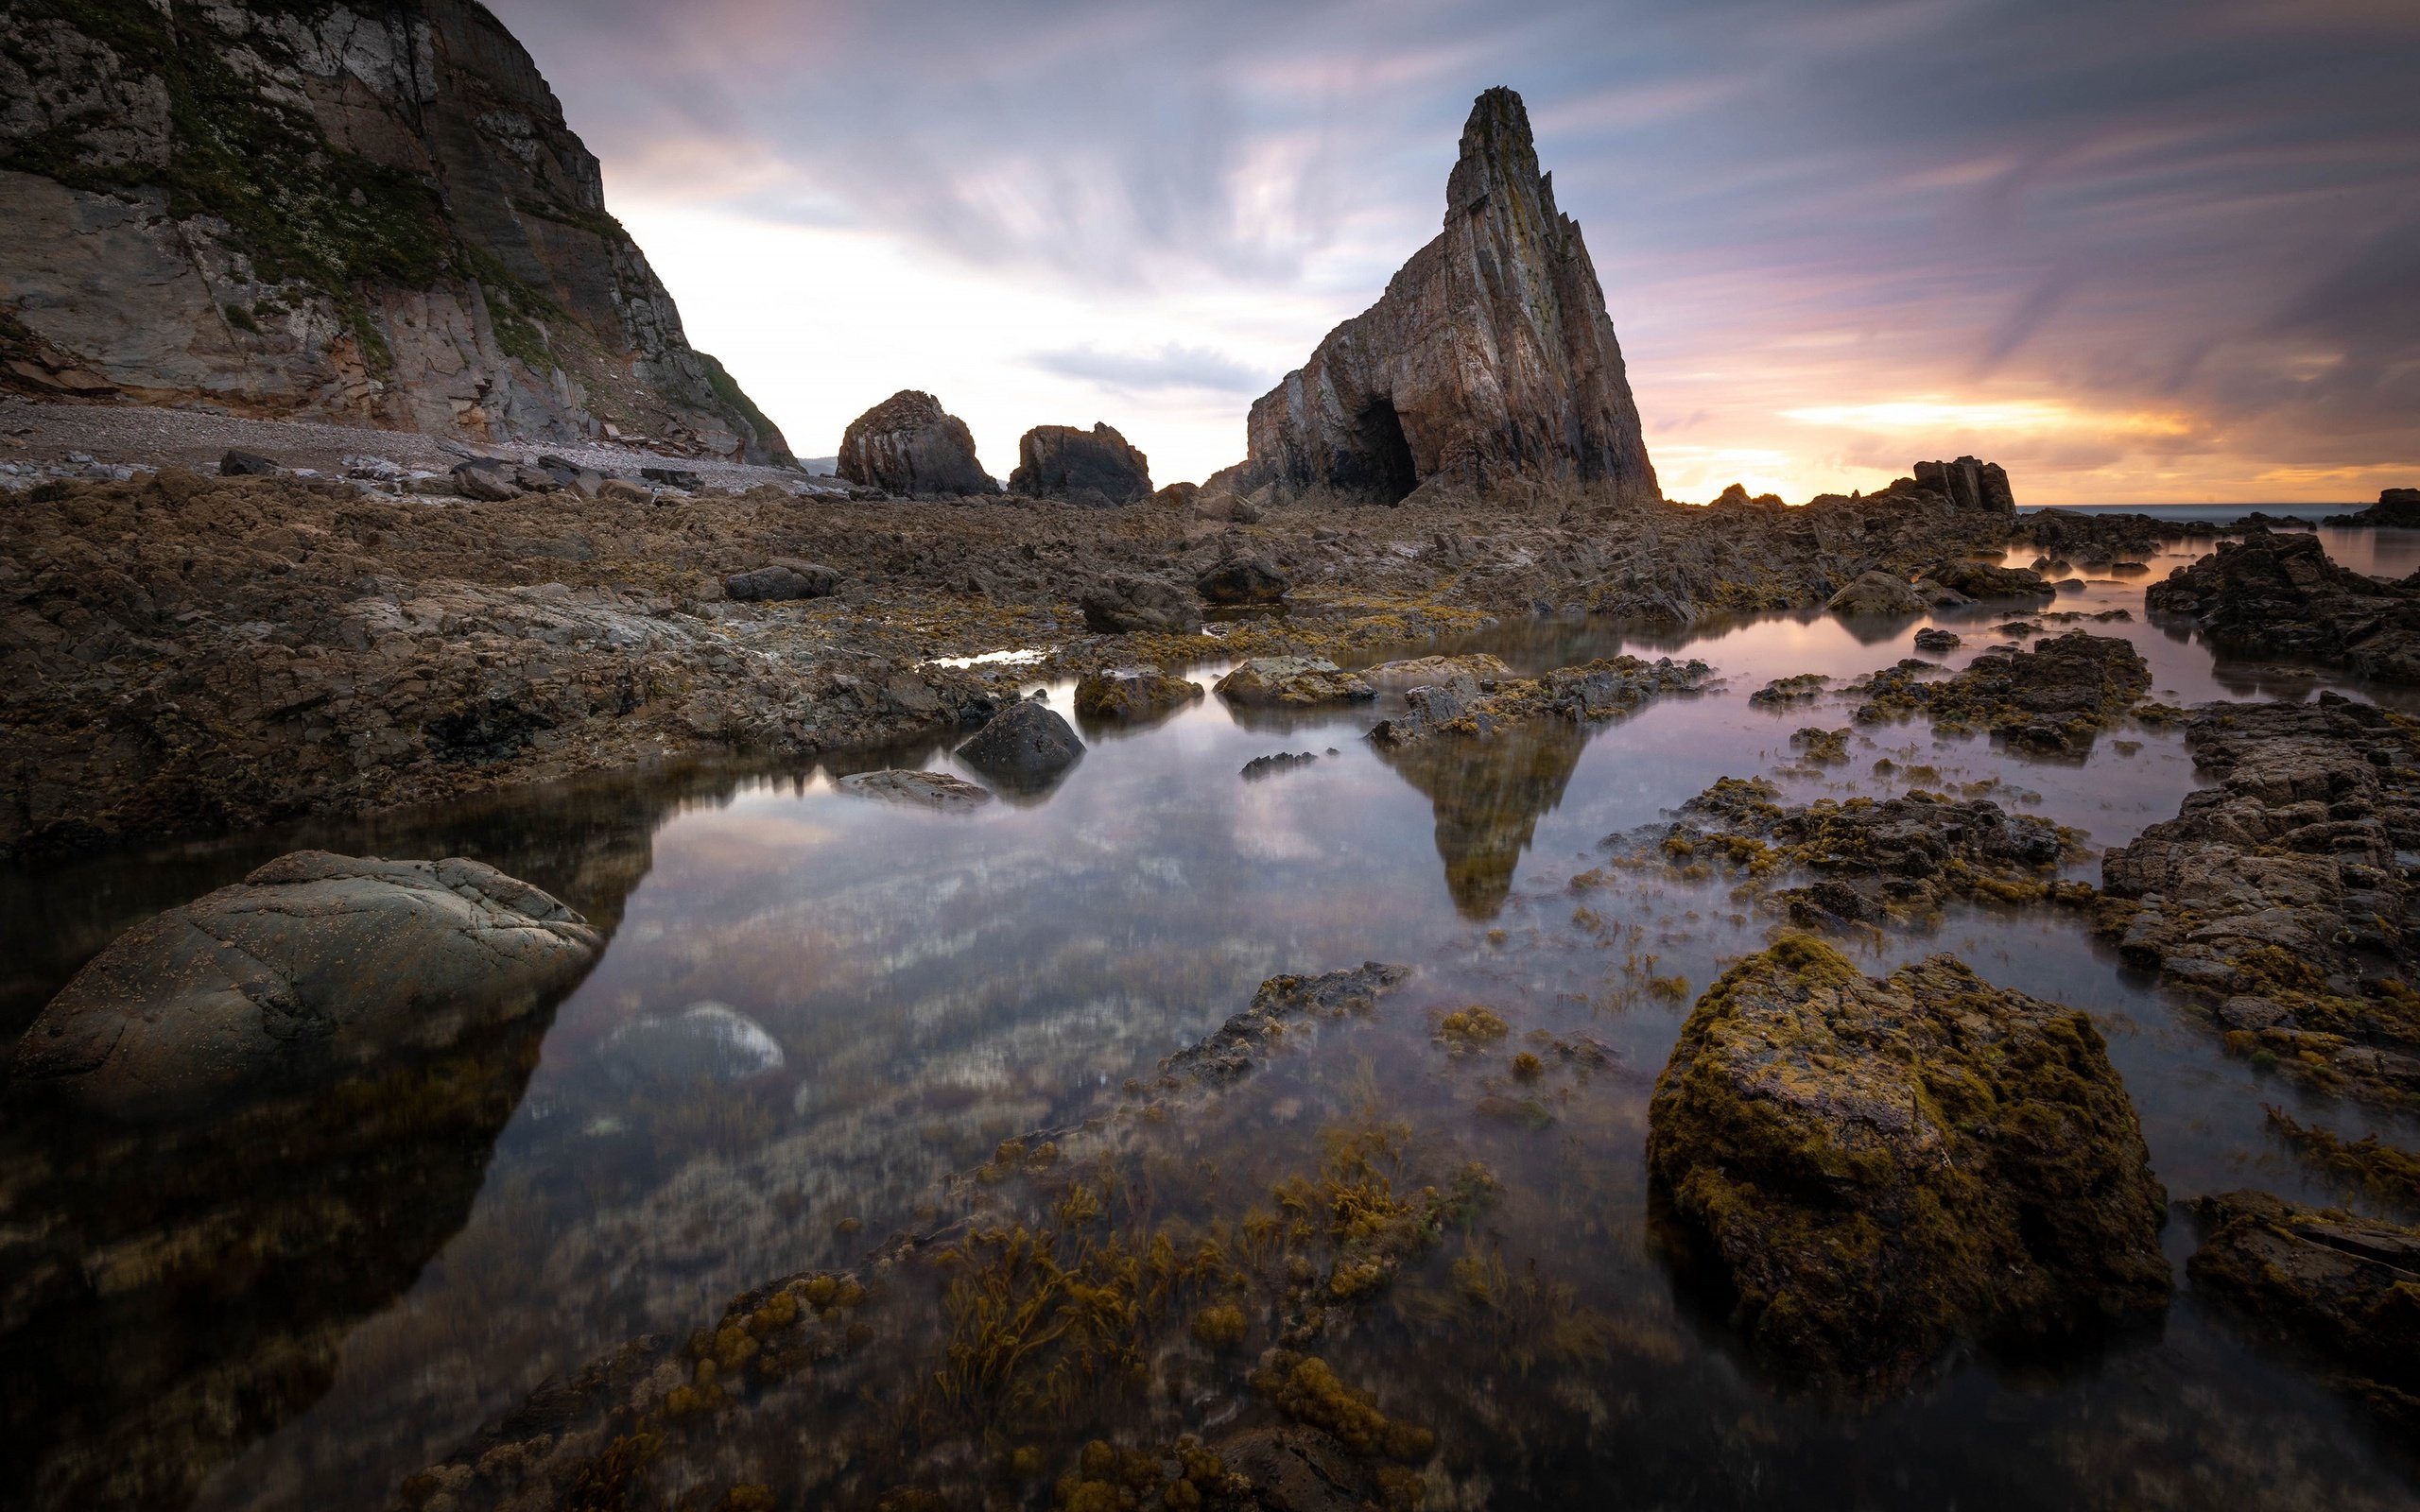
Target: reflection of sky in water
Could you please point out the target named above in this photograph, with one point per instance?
(938, 982)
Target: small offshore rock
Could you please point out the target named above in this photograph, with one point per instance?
(2397, 508)
(1228, 1053)
(909, 445)
(1879, 1168)
(1937, 641)
(312, 960)
(1026, 746)
(1133, 693)
(1260, 767)
(916, 789)
(1242, 580)
(1477, 667)
(1293, 681)
(1119, 604)
(1095, 466)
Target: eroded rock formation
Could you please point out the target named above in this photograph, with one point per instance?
(1489, 356)
(1083, 467)
(2282, 595)
(909, 444)
(357, 212)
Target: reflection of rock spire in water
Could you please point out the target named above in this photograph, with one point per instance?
(1487, 794)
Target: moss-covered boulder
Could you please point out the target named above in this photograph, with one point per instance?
(1136, 693)
(1879, 1168)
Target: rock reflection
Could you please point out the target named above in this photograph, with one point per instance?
(1488, 795)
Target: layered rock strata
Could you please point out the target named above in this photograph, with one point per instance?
(1880, 1168)
(373, 212)
(909, 445)
(2281, 595)
(1489, 356)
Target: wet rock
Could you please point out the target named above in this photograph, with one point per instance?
(1489, 357)
(248, 465)
(1937, 641)
(2281, 595)
(2397, 508)
(1297, 1470)
(2288, 883)
(1119, 604)
(1242, 580)
(1420, 672)
(1260, 767)
(1596, 689)
(909, 445)
(1879, 1168)
(1980, 580)
(783, 577)
(2054, 698)
(313, 960)
(2063, 534)
(916, 789)
(1228, 1053)
(1133, 693)
(1799, 687)
(706, 1042)
(1878, 593)
(1026, 746)
(1062, 462)
(2346, 1288)
(1293, 681)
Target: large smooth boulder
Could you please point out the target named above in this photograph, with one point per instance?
(1119, 604)
(1878, 1168)
(1088, 467)
(1026, 748)
(312, 959)
(909, 444)
(1299, 681)
(1242, 580)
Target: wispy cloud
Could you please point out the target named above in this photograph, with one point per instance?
(1171, 366)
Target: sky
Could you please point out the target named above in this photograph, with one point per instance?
(2136, 251)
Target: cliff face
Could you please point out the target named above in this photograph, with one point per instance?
(359, 210)
(1490, 354)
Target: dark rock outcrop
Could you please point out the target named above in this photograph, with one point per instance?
(1878, 1168)
(2282, 892)
(2067, 535)
(313, 960)
(1026, 748)
(247, 465)
(1120, 604)
(1877, 594)
(782, 577)
(2054, 698)
(1083, 467)
(2397, 508)
(372, 213)
(1230, 1051)
(1242, 580)
(1489, 356)
(1969, 484)
(2281, 595)
(1295, 681)
(1982, 579)
(1459, 704)
(909, 445)
(1125, 694)
(1937, 641)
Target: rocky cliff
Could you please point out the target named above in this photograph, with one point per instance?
(1490, 354)
(360, 210)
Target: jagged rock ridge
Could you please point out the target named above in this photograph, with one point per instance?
(368, 211)
(1490, 354)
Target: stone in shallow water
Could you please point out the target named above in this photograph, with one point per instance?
(923, 790)
(1133, 693)
(1301, 681)
(1026, 746)
(705, 1041)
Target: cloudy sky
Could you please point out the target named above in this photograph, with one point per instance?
(2137, 250)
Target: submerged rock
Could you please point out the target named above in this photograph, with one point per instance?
(1242, 580)
(1119, 604)
(1260, 767)
(2344, 1287)
(2053, 698)
(1228, 1053)
(1133, 693)
(2281, 595)
(909, 444)
(1489, 357)
(1293, 681)
(1979, 580)
(1428, 671)
(2283, 889)
(1025, 746)
(1880, 1168)
(1878, 593)
(706, 1042)
(916, 789)
(312, 961)
(1083, 467)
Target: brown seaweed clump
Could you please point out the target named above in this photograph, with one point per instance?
(2054, 698)
(1880, 1168)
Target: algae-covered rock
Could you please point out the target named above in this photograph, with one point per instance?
(2344, 1286)
(1595, 690)
(1879, 1168)
(1979, 580)
(915, 789)
(1132, 693)
(1298, 680)
(1229, 1052)
(2054, 698)
(1433, 671)
(1878, 593)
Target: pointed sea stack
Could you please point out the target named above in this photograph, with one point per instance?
(1489, 357)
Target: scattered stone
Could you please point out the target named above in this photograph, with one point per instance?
(1062, 462)
(2345, 1287)
(1229, 1052)
(673, 477)
(1119, 604)
(1879, 1168)
(1293, 681)
(1937, 641)
(1133, 693)
(1242, 580)
(783, 577)
(2283, 889)
(313, 962)
(909, 445)
(1596, 689)
(1878, 593)
(2282, 596)
(2397, 508)
(2054, 698)
(486, 482)
(916, 789)
(708, 1041)
(1026, 746)
(1420, 672)
(1260, 767)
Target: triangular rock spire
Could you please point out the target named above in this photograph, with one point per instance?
(1489, 357)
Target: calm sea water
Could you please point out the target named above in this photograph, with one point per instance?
(298, 1310)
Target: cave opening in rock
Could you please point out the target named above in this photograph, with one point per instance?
(1386, 451)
